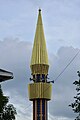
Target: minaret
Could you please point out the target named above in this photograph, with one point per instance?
(40, 89)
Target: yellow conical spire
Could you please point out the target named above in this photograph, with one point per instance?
(39, 53)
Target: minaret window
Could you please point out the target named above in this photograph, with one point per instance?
(38, 109)
(34, 78)
(38, 77)
(43, 78)
(43, 106)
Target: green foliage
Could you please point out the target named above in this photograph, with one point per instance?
(7, 111)
(76, 104)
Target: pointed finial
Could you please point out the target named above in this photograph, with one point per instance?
(39, 10)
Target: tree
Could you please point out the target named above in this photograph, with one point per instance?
(7, 111)
(76, 104)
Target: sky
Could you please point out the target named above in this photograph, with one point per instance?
(61, 21)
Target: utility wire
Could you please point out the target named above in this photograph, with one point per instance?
(28, 106)
(67, 65)
(60, 73)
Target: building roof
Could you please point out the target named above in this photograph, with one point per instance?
(39, 52)
(5, 75)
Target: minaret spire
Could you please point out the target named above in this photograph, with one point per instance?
(40, 89)
(39, 54)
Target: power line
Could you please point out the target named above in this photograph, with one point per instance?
(28, 106)
(60, 73)
(63, 70)
(67, 65)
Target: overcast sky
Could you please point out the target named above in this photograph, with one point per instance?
(61, 20)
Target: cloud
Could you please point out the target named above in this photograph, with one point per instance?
(63, 89)
(15, 56)
(61, 21)
(20, 104)
(51, 117)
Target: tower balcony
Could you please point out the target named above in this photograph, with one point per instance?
(40, 91)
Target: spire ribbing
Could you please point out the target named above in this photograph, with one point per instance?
(39, 53)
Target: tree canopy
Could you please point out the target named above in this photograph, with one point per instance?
(7, 111)
(76, 104)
